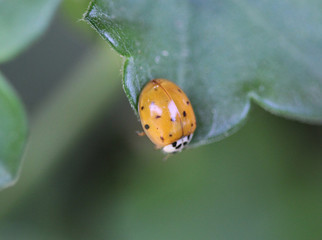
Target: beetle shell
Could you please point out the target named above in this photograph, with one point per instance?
(166, 114)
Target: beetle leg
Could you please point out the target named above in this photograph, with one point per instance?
(140, 133)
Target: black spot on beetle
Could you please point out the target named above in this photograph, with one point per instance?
(179, 90)
(189, 137)
(146, 126)
(179, 146)
(162, 139)
(191, 124)
(157, 116)
(188, 102)
(142, 107)
(174, 144)
(184, 113)
(170, 135)
(185, 143)
(172, 120)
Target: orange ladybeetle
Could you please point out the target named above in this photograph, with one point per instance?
(166, 115)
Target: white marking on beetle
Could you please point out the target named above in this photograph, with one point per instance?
(178, 145)
(155, 109)
(173, 110)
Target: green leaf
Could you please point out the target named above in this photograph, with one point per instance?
(21, 22)
(223, 54)
(13, 134)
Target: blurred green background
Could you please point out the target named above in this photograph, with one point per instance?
(87, 175)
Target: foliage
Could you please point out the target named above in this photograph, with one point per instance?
(223, 54)
(21, 23)
(13, 134)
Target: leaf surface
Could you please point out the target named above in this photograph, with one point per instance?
(21, 22)
(223, 54)
(13, 134)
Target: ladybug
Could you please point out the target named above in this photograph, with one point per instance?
(167, 116)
